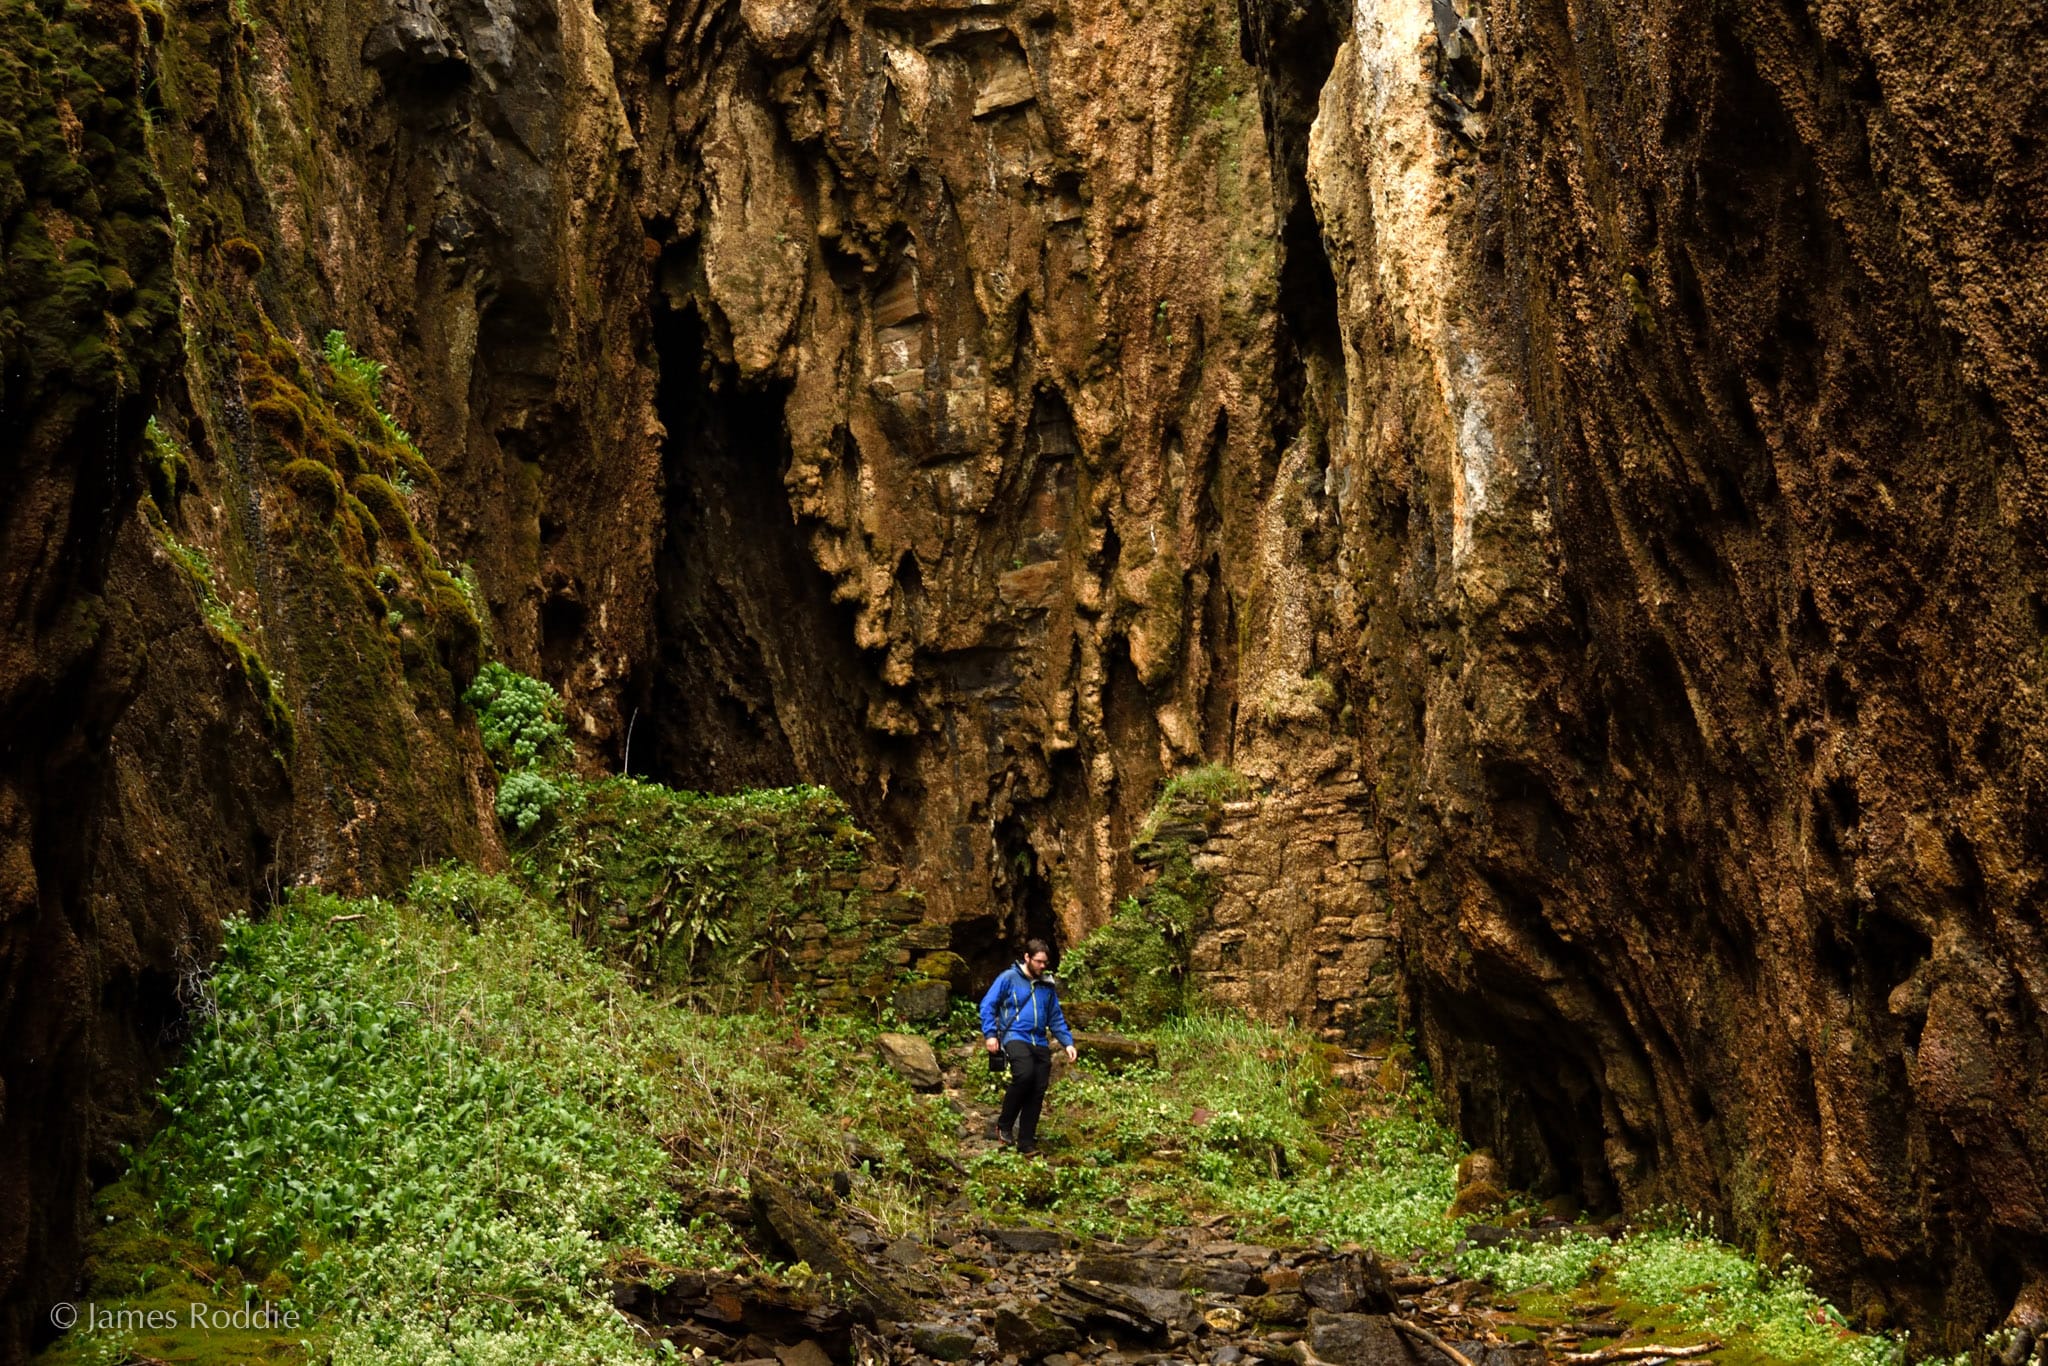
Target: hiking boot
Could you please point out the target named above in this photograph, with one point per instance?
(996, 1133)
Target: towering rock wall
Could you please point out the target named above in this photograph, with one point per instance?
(1688, 446)
(1582, 464)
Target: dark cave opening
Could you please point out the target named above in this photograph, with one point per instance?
(1020, 907)
(755, 680)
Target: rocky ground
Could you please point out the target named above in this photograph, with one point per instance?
(1197, 1293)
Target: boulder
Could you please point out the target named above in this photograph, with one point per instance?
(1113, 1052)
(1229, 1277)
(1026, 1239)
(1110, 1307)
(924, 999)
(811, 1240)
(1282, 1306)
(943, 1341)
(948, 967)
(1353, 1283)
(1032, 1331)
(912, 1059)
(1359, 1340)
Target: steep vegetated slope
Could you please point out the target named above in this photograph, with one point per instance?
(1602, 447)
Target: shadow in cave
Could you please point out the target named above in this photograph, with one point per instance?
(1020, 908)
(756, 681)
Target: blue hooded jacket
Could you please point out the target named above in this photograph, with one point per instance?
(1018, 1008)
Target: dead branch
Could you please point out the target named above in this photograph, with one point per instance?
(1421, 1334)
(1606, 1354)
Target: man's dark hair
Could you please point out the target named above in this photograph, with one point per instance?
(1032, 946)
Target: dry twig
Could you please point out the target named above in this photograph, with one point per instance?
(1607, 1354)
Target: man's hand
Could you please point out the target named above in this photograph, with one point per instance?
(1070, 1053)
(991, 1045)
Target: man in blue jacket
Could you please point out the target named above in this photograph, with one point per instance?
(1020, 1017)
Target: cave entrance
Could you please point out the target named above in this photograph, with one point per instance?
(1020, 907)
(755, 680)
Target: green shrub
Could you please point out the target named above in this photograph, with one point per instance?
(526, 797)
(1140, 959)
(520, 717)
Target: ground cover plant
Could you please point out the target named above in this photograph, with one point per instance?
(435, 1128)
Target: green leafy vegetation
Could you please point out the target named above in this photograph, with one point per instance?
(359, 383)
(1240, 1119)
(520, 717)
(1138, 962)
(527, 739)
(1687, 1285)
(437, 1128)
(164, 465)
(690, 887)
(743, 890)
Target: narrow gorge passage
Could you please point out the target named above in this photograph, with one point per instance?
(1499, 541)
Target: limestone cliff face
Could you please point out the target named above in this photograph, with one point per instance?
(1583, 464)
(963, 314)
(1688, 446)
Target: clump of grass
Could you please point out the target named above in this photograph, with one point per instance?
(1198, 793)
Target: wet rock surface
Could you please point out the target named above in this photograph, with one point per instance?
(981, 1293)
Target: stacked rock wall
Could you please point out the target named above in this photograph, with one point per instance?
(1301, 927)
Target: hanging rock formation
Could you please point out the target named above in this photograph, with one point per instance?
(1583, 464)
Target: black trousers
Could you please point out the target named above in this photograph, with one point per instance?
(1030, 1070)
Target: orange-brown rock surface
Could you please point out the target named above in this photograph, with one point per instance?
(1689, 454)
(1584, 464)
